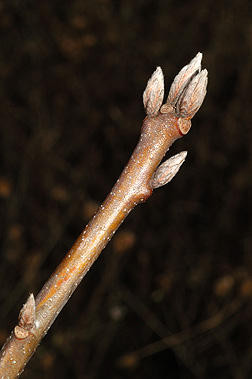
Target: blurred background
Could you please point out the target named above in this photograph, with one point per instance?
(171, 295)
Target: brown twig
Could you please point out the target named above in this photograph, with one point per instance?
(160, 129)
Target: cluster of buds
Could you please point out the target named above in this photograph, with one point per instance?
(185, 97)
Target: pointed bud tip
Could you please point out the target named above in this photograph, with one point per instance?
(182, 155)
(198, 57)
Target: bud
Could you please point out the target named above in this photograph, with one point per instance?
(192, 99)
(26, 319)
(154, 93)
(181, 80)
(167, 170)
(188, 90)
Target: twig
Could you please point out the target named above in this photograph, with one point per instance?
(160, 129)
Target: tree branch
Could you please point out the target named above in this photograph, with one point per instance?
(160, 129)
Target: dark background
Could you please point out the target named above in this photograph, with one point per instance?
(72, 75)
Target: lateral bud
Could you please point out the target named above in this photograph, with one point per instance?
(154, 93)
(167, 170)
(26, 319)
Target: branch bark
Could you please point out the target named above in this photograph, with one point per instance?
(160, 129)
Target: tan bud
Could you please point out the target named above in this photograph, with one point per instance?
(167, 170)
(154, 93)
(188, 89)
(26, 318)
